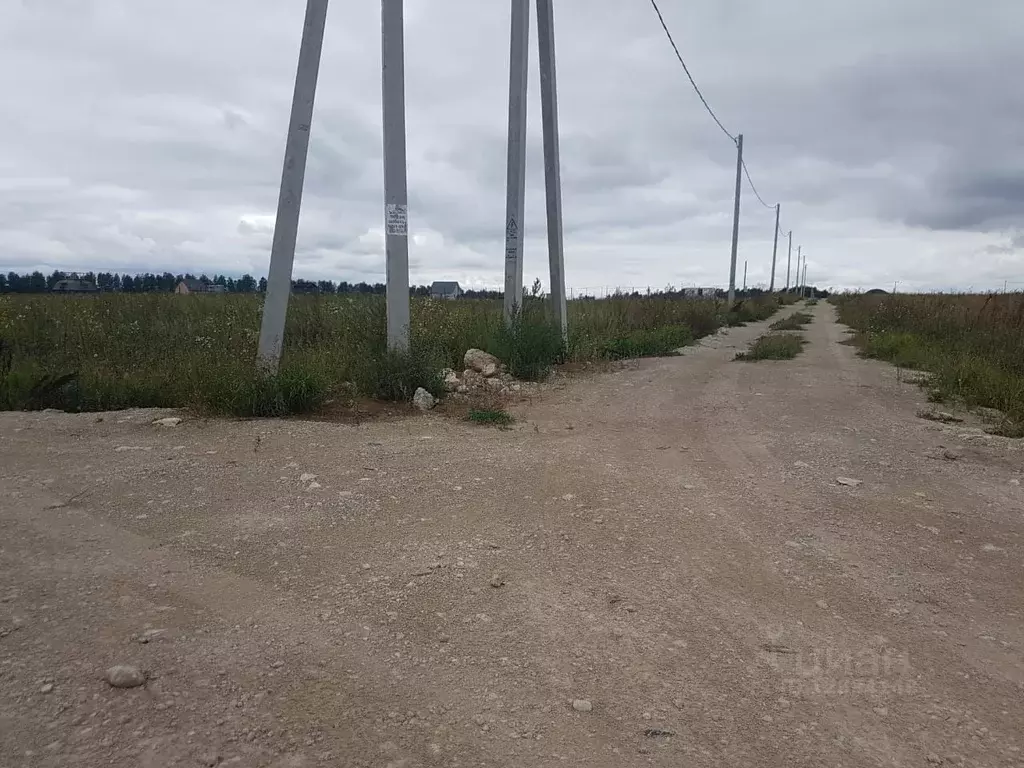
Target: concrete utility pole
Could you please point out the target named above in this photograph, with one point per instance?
(789, 258)
(515, 202)
(775, 247)
(396, 194)
(736, 220)
(803, 283)
(744, 275)
(552, 165)
(798, 252)
(289, 201)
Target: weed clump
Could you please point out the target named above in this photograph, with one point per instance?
(495, 417)
(530, 345)
(773, 346)
(794, 322)
(390, 374)
(292, 391)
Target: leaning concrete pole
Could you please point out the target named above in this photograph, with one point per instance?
(552, 166)
(289, 201)
(736, 220)
(515, 202)
(396, 194)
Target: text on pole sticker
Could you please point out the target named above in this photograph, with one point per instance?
(397, 219)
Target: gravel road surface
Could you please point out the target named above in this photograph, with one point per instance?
(655, 566)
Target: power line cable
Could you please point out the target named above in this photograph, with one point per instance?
(704, 101)
(751, 182)
(686, 69)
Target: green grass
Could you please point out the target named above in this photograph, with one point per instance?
(794, 322)
(659, 342)
(113, 351)
(773, 346)
(973, 346)
(494, 417)
(391, 375)
(531, 345)
(753, 310)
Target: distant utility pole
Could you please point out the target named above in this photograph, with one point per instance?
(515, 201)
(736, 220)
(775, 247)
(289, 201)
(803, 290)
(798, 251)
(744, 275)
(552, 164)
(396, 195)
(789, 258)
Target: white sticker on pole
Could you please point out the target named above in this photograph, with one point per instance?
(397, 219)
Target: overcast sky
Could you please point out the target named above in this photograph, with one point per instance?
(141, 135)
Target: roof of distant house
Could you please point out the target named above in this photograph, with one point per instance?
(444, 286)
(193, 284)
(74, 284)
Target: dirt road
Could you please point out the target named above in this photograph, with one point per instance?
(666, 546)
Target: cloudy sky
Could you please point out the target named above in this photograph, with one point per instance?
(148, 135)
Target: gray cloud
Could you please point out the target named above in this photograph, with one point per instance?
(144, 139)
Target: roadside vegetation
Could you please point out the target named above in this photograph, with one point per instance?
(794, 322)
(773, 346)
(116, 350)
(971, 345)
(491, 417)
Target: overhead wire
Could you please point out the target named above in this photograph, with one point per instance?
(704, 101)
(686, 69)
(751, 182)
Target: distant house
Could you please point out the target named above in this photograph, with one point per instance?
(442, 289)
(693, 292)
(191, 285)
(74, 285)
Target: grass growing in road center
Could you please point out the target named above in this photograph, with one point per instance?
(773, 346)
(793, 322)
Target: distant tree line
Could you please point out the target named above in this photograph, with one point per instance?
(148, 282)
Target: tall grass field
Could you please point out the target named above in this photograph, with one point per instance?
(111, 351)
(973, 345)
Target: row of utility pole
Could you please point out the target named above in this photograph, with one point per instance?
(396, 208)
(396, 205)
(801, 282)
